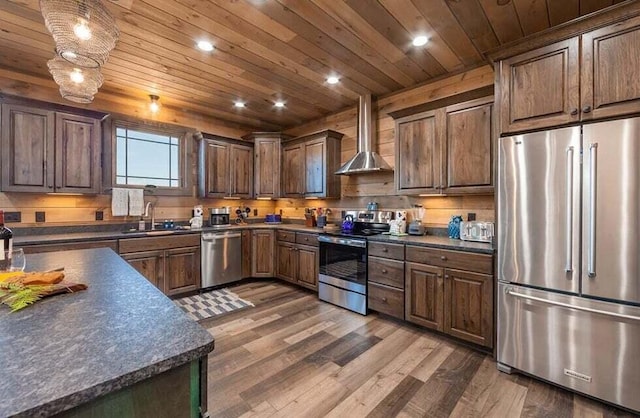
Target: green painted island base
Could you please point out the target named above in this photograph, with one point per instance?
(179, 392)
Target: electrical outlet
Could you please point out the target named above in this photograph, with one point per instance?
(40, 217)
(13, 217)
(280, 212)
(99, 215)
(471, 216)
(255, 212)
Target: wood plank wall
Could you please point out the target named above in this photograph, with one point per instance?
(358, 190)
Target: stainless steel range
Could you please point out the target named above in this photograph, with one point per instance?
(343, 260)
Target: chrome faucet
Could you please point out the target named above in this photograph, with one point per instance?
(153, 214)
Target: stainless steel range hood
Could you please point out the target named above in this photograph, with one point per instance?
(366, 160)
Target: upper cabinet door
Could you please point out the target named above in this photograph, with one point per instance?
(77, 147)
(417, 154)
(293, 170)
(314, 168)
(241, 171)
(468, 148)
(540, 88)
(267, 167)
(610, 70)
(27, 149)
(217, 181)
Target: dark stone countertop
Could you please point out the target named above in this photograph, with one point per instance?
(62, 237)
(69, 349)
(445, 243)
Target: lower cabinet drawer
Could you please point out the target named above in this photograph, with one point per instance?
(384, 271)
(387, 300)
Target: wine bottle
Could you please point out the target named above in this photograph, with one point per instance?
(6, 237)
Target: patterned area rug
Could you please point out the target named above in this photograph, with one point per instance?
(210, 304)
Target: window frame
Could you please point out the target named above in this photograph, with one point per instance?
(185, 155)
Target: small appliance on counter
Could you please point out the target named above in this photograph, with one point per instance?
(272, 218)
(415, 226)
(476, 231)
(219, 216)
(453, 228)
(196, 222)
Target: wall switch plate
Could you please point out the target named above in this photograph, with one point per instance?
(12, 217)
(40, 217)
(471, 216)
(255, 212)
(99, 215)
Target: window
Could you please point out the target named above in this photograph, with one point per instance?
(145, 157)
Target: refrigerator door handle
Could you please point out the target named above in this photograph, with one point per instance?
(510, 292)
(593, 172)
(569, 250)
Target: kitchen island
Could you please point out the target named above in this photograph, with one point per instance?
(118, 348)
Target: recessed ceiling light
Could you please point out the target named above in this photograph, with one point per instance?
(333, 80)
(279, 104)
(239, 104)
(420, 40)
(205, 46)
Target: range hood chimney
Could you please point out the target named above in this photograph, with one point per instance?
(366, 160)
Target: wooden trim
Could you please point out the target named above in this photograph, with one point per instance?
(10, 99)
(327, 133)
(444, 102)
(566, 30)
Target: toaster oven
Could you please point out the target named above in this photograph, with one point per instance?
(476, 231)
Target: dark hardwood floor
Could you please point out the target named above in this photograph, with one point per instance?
(294, 356)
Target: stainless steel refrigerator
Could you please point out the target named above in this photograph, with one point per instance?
(569, 258)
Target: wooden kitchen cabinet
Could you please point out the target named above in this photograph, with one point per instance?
(150, 264)
(424, 295)
(385, 276)
(468, 164)
(286, 261)
(225, 169)
(182, 270)
(540, 88)
(591, 76)
(171, 263)
(418, 154)
(469, 306)
(309, 164)
(47, 151)
(295, 262)
(267, 156)
(447, 150)
(450, 291)
(263, 249)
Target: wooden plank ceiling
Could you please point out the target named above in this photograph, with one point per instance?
(268, 50)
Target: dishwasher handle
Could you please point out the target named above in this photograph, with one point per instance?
(214, 237)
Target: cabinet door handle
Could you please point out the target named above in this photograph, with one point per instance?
(446, 276)
(306, 239)
(384, 299)
(574, 111)
(443, 258)
(384, 271)
(439, 276)
(384, 250)
(586, 109)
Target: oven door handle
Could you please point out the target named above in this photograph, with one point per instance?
(349, 242)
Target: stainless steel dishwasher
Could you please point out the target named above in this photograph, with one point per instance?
(221, 258)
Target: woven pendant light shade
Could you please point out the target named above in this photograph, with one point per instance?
(84, 30)
(77, 84)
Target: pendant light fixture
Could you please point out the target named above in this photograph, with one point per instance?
(84, 31)
(154, 103)
(77, 84)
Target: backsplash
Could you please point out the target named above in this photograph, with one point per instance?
(81, 210)
(438, 210)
